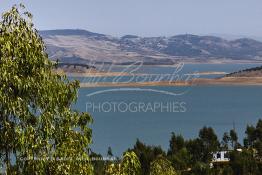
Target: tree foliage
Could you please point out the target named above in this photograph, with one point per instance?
(146, 155)
(162, 166)
(39, 132)
(130, 165)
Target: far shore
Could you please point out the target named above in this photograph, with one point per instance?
(98, 74)
(208, 73)
(115, 74)
(242, 81)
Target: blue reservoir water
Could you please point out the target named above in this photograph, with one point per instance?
(220, 107)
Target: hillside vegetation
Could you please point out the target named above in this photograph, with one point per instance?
(252, 72)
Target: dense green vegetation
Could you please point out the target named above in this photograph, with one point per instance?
(194, 156)
(39, 132)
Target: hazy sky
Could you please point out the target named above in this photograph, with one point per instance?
(147, 17)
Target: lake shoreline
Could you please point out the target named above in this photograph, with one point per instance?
(240, 81)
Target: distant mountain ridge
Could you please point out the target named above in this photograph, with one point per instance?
(69, 45)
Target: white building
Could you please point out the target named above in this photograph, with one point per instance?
(219, 159)
(221, 156)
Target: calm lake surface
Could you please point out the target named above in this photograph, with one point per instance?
(221, 107)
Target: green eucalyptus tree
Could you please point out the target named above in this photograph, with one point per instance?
(39, 132)
(129, 165)
(162, 166)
